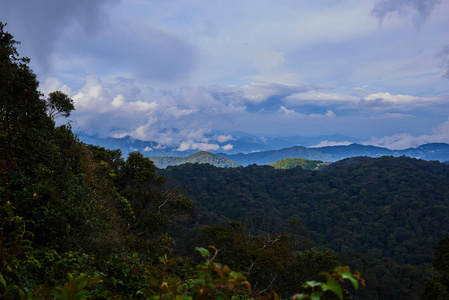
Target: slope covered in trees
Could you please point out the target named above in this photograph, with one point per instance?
(290, 163)
(201, 157)
(390, 209)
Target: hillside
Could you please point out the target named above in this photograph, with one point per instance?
(391, 210)
(269, 157)
(379, 199)
(201, 157)
(435, 151)
(290, 163)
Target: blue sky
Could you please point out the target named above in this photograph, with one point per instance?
(177, 71)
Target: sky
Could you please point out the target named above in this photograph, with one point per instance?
(190, 73)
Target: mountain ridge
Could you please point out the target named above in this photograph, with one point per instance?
(201, 157)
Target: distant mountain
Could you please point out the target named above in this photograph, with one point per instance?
(290, 163)
(272, 156)
(250, 149)
(234, 143)
(129, 144)
(431, 151)
(201, 157)
(340, 152)
(435, 151)
(308, 141)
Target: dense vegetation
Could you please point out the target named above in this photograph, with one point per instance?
(290, 163)
(201, 157)
(79, 221)
(383, 215)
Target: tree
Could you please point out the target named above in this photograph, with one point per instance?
(152, 204)
(59, 104)
(438, 287)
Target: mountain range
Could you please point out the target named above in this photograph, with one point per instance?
(241, 142)
(165, 156)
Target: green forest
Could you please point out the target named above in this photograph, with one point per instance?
(79, 221)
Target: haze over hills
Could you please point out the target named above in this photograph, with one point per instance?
(232, 143)
(438, 151)
(200, 157)
(431, 151)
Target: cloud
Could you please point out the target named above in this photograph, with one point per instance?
(444, 54)
(190, 145)
(228, 147)
(329, 113)
(386, 100)
(287, 111)
(260, 92)
(406, 140)
(393, 98)
(319, 96)
(330, 143)
(42, 22)
(420, 9)
(223, 138)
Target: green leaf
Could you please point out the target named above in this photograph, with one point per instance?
(204, 252)
(2, 284)
(348, 275)
(334, 286)
(316, 296)
(312, 283)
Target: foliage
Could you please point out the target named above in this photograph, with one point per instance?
(332, 284)
(438, 287)
(394, 210)
(201, 157)
(58, 104)
(290, 163)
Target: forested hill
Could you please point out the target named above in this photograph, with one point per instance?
(432, 151)
(388, 207)
(201, 157)
(272, 156)
(290, 163)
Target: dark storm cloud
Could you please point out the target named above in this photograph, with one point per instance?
(39, 23)
(421, 8)
(146, 52)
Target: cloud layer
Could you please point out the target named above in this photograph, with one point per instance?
(177, 72)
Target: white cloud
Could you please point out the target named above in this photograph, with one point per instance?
(330, 113)
(118, 101)
(406, 140)
(330, 143)
(395, 98)
(223, 138)
(228, 147)
(287, 111)
(53, 84)
(320, 96)
(190, 145)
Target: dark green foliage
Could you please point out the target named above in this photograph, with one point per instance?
(441, 260)
(399, 206)
(201, 157)
(58, 104)
(290, 163)
(62, 204)
(394, 209)
(438, 287)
